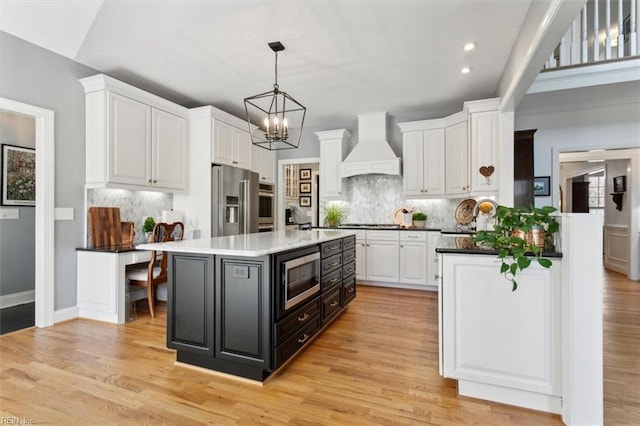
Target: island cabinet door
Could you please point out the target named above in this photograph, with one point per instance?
(243, 311)
(190, 303)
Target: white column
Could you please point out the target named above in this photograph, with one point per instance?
(607, 22)
(585, 43)
(620, 31)
(596, 35)
(575, 43)
(565, 45)
(633, 36)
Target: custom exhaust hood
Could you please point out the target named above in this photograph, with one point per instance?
(372, 153)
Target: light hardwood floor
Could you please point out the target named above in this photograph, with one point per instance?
(377, 364)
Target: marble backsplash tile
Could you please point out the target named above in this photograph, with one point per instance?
(374, 198)
(135, 206)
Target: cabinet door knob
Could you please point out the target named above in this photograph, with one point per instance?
(149, 181)
(436, 276)
(155, 181)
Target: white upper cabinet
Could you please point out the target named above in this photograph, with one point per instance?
(264, 163)
(134, 140)
(231, 144)
(169, 150)
(332, 152)
(455, 156)
(485, 136)
(423, 174)
(457, 159)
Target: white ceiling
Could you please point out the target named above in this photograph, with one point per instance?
(342, 58)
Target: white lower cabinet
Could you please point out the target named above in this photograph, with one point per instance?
(413, 257)
(382, 260)
(502, 345)
(397, 258)
(102, 284)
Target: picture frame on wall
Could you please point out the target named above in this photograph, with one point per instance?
(305, 187)
(305, 201)
(542, 186)
(18, 176)
(305, 174)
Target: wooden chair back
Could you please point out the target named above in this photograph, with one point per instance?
(163, 232)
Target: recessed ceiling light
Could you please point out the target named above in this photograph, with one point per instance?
(465, 70)
(469, 46)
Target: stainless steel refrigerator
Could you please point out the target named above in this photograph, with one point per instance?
(234, 200)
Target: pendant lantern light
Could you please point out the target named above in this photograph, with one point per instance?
(279, 115)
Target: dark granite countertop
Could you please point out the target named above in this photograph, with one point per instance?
(380, 227)
(451, 243)
(110, 249)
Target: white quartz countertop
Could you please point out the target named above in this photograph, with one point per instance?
(251, 245)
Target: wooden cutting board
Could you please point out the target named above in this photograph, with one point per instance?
(105, 228)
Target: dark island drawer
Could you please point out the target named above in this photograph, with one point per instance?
(349, 255)
(348, 289)
(348, 242)
(331, 264)
(331, 304)
(297, 341)
(348, 269)
(298, 318)
(330, 248)
(331, 280)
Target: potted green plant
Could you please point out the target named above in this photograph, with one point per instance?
(334, 214)
(520, 235)
(419, 219)
(147, 227)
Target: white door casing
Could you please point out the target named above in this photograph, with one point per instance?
(45, 190)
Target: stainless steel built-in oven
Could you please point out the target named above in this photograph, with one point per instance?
(297, 278)
(266, 207)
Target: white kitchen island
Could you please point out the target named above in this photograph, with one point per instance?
(539, 346)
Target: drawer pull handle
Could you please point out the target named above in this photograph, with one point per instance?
(334, 304)
(333, 280)
(412, 236)
(303, 318)
(334, 263)
(333, 247)
(351, 290)
(304, 338)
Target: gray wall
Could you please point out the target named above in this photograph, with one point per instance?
(17, 236)
(36, 76)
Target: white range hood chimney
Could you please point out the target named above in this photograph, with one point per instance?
(372, 153)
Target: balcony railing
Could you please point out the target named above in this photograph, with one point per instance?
(604, 30)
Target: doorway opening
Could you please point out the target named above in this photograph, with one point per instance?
(44, 208)
(587, 186)
(297, 193)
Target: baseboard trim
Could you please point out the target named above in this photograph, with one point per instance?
(65, 314)
(15, 299)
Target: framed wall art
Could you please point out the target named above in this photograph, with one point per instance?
(305, 174)
(305, 201)
(541, 186)
(305, 187)
(18, 176)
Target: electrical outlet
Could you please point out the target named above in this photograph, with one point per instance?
(9, 213)
(64, 213)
